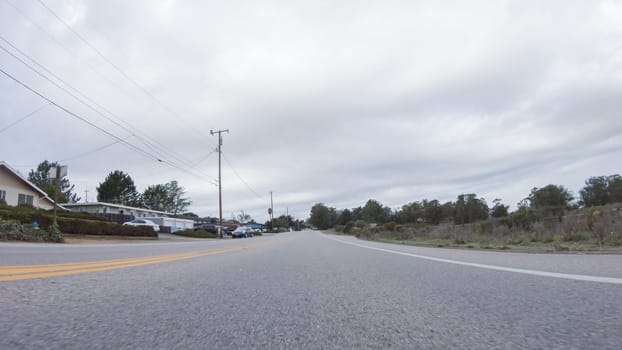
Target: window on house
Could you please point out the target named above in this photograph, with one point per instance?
(2, 197)
(25, 199)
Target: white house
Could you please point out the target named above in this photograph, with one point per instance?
(174, 224)
(122, 213)
(15, 189)
(103, 209)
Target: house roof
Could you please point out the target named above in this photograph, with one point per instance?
(113, 205)
(30, 184)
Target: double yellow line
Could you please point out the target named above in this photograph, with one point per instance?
(16, 273)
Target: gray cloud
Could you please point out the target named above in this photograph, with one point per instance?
(326, 102)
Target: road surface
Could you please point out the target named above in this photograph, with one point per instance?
(304, 290)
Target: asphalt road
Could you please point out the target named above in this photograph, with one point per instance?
(307, 290)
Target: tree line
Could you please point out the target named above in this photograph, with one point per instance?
(117, 188)
(550, 201)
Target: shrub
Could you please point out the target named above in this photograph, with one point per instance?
(53, 234)
(348, 228)
(90, 227)
(360, 224)
(576, 237)
(483, 227)
(389, 226)
(11, 230)
(196, 234)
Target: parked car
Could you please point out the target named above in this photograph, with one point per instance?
(225, 230)
(207, 227)
(143, 222)
(242, 232)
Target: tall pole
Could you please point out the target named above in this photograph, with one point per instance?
(219, 132)
(271, 211)
(56, 186)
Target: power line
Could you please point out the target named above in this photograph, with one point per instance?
(77, 116)
(137, 149)
(23, 118)
(119, 70)
(160, 156)
(149, 143)
(241, 179)
(93, 69)
(92, 151)
(203, 158)
(59, 44)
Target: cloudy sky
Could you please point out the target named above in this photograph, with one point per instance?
(326, 101)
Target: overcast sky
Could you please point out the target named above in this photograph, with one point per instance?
(326, 101)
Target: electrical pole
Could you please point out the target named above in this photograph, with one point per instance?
(86, 196)
(56, 188)
(219, 132)
(271, 211)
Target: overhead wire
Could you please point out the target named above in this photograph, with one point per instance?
(160, 156)
(241, 179)
(119, 70)
(61, 45)
(90, 66)
(84, 120)
(87, 153)
(23, 118)
(149, 144)
(143, 137)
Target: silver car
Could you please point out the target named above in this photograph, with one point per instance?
(143, 222)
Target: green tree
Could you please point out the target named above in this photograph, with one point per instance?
(177, 194)
(118, 188)
(411, 212)
(469, 208)
(344, 217)
(601, 190)
(156, 197)
(375, 212)
(41, 178)
(284, 221)
(499, 210)
(551, 200)
(432, 211)
(167, 197)
(322, 216)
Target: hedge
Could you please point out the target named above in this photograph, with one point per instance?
(90, 227)
(196, 234)
(71, 222)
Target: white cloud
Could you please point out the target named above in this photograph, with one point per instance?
(326, 102)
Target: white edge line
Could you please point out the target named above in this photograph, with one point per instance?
(568, 276)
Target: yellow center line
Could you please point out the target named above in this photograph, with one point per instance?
(15, 273)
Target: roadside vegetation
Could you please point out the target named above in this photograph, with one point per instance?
(196, 234)
(548, 219)
(17, 223)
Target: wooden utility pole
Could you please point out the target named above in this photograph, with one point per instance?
(57, 171)
(219, 132)
(271, 211)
